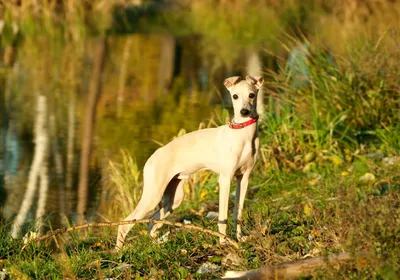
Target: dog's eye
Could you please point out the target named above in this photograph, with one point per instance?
(235, 96)
(252, 95)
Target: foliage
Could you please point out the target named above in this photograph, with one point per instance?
(340, 109)
(295, 215)
(322, 191)
(124, 186)
(329, 161)
(360, 88)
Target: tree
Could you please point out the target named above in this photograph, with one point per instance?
(38, 169)
(89, 123)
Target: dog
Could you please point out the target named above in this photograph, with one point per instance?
(229, 150)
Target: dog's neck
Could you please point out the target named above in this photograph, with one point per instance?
(239, 122)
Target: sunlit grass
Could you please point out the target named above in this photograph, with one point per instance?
(124, 186)
(321, 189)
(291, 217)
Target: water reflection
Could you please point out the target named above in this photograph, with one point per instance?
(148, 90)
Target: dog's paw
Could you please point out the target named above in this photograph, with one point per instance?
(223, 241)
(242, 238)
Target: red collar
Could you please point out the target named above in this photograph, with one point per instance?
(242, 125)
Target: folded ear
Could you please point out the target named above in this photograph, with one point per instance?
(230, 82)
(257, 81)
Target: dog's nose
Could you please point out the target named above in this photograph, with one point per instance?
(244, 112)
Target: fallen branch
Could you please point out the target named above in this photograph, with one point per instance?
(131, 222)
(294, 270)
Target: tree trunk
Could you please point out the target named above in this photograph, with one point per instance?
(3, 133)
(254, 68)
(44, 187)
(122, 76)
(9, 58)
(55, 151)
(70, 138)
(167, 62)
(90, 118)
(41, 142)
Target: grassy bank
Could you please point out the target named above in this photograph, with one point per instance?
(338, 207)
(328, 181)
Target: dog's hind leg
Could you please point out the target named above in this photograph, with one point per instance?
(172, 198)
(149, 200)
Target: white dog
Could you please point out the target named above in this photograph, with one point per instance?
(229, 150)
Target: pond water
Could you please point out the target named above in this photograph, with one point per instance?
(147, 89)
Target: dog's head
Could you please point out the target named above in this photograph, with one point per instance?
(244, 94)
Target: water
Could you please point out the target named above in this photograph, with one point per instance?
(147, 95)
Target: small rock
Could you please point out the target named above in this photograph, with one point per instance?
(3, 274)
(374, 155)
(232, 259)
(391, 160)
(212, 215)
(315, 251)
(163, 238)
(208, 268)
(123, 267)
(29, 236)
(332, 198)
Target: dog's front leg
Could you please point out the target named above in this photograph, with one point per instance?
(224, 186)
(242, 182)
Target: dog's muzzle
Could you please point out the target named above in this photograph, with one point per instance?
(245, 112)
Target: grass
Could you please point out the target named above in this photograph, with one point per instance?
(295, 215)
(322, 190)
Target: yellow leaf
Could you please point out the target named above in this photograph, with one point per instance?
(313, 182)
(98, 244)
(308, 209)
(348, 158)
(309, 157)
(336, 160)
(203, 194)
(315, 233)
(345, 173)
(291, 165)
(309, 166)
(264, 229)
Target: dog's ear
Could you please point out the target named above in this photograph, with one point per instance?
(230, 82)
(257, 81)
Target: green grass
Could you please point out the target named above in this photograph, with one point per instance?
(290, 218)
(320, 193)
(320, 190)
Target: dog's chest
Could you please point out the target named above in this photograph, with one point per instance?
(248, 153)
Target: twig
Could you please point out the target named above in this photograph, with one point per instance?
(131, 222)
